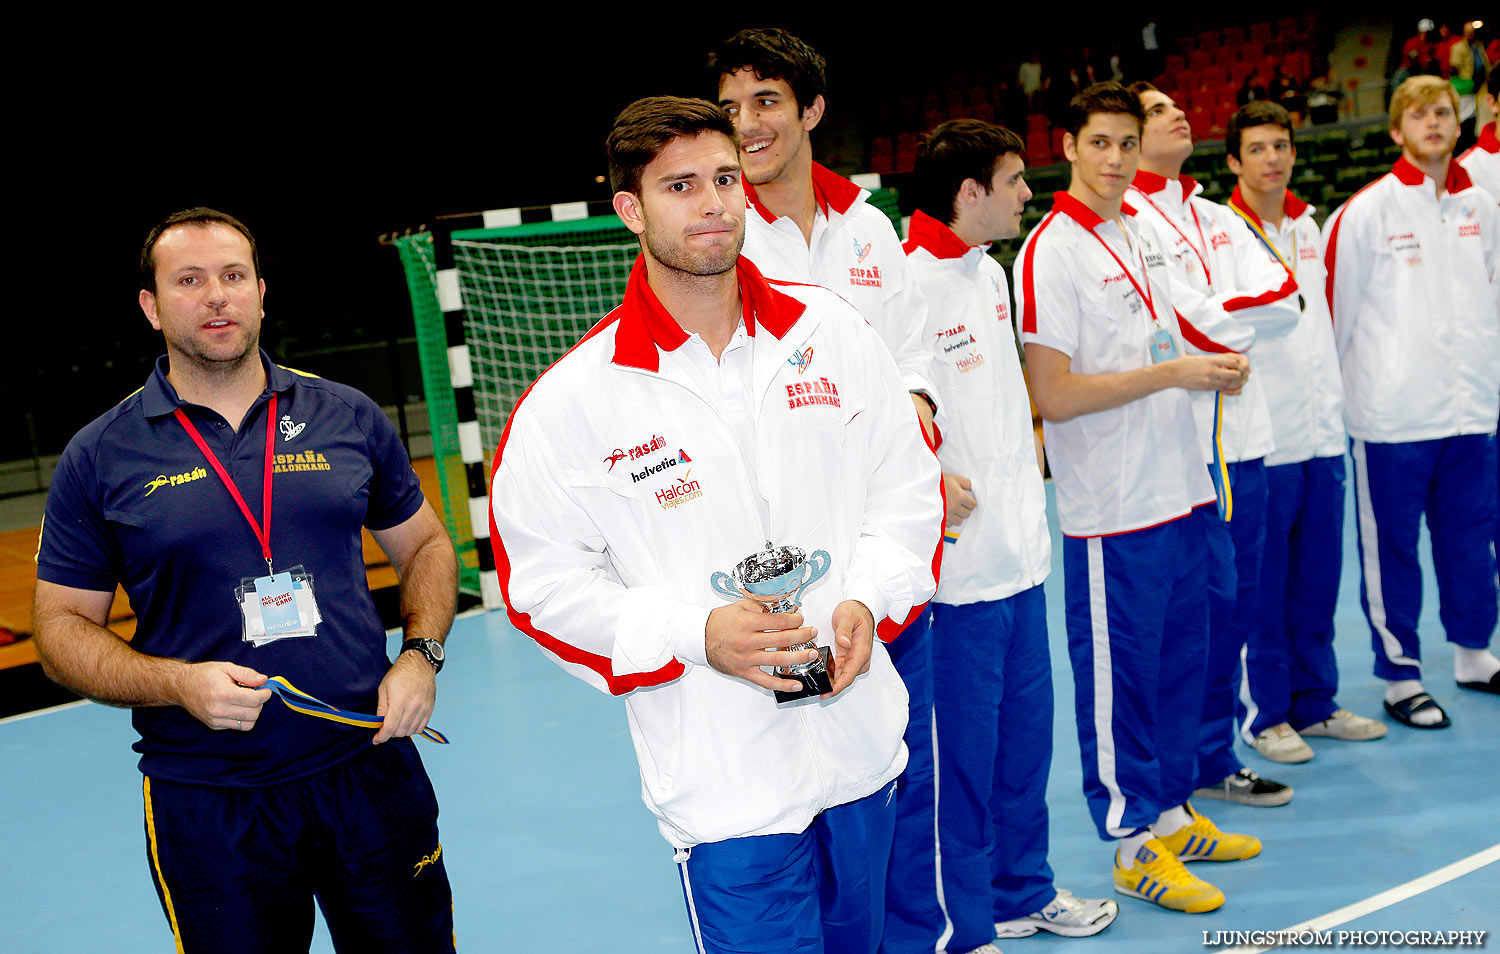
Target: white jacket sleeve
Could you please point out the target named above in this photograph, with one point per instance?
(894, 564)
(560, 586)
(1266, 293)
(1347, 261)
(901, 328)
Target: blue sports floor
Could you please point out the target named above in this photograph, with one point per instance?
(549, 847)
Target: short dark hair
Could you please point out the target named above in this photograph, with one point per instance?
(199, 215)
(1492, 82)
(773, 53)
(645, 127)
(1105, 97)
(1257, 112)
(959, 149)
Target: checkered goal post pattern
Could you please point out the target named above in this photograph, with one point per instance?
(496, 299)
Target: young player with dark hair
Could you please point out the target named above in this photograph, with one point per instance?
(1412, 283)
(772, 412)
(1232, 290)
(992, 674)
(808, 224)
(1105, 355)
(1291, 674)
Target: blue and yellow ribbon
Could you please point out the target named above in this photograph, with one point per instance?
(1260, 233)
(1219, 470)
(299, 701)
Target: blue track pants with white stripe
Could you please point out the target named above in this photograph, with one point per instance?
(1137, 619)
(1451, 482)
(913, 918)
(1234, 553)
(820, 891)
(1291, 675)
(993, 709)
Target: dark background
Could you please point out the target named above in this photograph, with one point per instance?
(323, 134)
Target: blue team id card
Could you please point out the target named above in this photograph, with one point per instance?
(1163, 348)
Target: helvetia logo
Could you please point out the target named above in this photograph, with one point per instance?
(678, 493)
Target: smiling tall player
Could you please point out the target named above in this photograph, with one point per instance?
(807, 224)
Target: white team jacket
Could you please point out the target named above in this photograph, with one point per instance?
(1416, 306)
(856, 252)
(1300, 370)
(1482, 161)
(1130, 467)
(619, 488)
(1003, 547)
(1242, 298)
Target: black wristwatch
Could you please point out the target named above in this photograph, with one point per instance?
(430, 648)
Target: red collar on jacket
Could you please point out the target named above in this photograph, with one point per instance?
(937, 238)
(831, 190)
(646, 327)
(1080, 213)
(1151, 183)
(1457, 181)
(1290, 205)
(1487, 141)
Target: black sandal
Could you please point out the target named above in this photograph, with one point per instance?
(1493, 686)
(1403, 711)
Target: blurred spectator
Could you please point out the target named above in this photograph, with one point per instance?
(1445, 43)
(1288, 92)
(1012, 104)
(1323, 99)
(1466, 71)
(1255, 87)
(1153, 60)
(1029, 75)
(1419, 48)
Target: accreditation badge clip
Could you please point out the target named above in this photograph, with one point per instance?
(1163, 348)
(279, 606)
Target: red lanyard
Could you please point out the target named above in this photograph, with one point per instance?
(263, 535)
(1202, 258)
(1145, 296)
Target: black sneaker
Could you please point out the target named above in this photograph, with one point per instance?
(1247, 788)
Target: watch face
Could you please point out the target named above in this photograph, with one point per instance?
(436, 649)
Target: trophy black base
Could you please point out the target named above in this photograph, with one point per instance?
(815, 681)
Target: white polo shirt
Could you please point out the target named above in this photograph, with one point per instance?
(1416, 306)
(1232, 291)
(1300, 370)
(1134, 466)
(1003, 547)
(855, 251)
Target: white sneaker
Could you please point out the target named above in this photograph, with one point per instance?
(1345, 725)
(1281, 743)
(987, 949)
(1065, 915)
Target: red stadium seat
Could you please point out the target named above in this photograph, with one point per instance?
(1037, 122)
(1262, 32)
(1199, 120)
(1038, 147)
(1252, 51)
(1057, 143)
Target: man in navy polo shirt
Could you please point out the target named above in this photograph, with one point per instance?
(224, 468)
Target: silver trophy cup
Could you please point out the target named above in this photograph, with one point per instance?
(774, 577)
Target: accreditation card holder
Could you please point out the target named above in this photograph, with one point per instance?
(1163, 348)
(280, 606)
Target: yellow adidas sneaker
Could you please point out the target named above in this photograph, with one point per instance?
(1157, 876)
(1202, 841)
